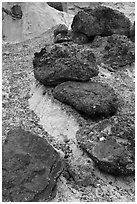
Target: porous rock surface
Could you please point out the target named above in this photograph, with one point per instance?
(116, 51)
(93, 98)
(57, 63)
(111, 144)
(31, 168)
(101, 20)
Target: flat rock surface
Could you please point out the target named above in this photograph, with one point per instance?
(93, 98)
(31, 168)
(101, 20)
(111, 144)
(64, 62)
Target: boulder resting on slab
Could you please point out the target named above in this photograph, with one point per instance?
(30, 168)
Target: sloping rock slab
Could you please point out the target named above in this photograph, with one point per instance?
(101, 21)
(30, 168)
(93, 98)
(111, 144)
(55, 64)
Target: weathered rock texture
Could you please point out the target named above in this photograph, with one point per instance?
(30, 168)
(101, 21)
(115, 51)
(111, 144)
(93, 98)
(64, 62)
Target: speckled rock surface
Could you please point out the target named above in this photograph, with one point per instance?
(111, 144)
(93, 98)
(31, 168)
(116, 51)
(101, 21)
(64, 62)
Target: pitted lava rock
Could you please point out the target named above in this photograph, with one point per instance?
(31, 168)
(102, 21)
(119, 51)
(93, 98)
(116, 51)
(57, 63)
(111, 144)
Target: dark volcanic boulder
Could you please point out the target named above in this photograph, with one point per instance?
(17, 11)
(101, 21)
(119, 51)
(111, 144)
(31, 168)
(93, 98)
(64, 62)
(116, 51)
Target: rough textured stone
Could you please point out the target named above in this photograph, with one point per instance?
(30, 168)
(132, 32)
(17, 11)
(111, 144)
(64, 62)
(101, 21)
(93, 98)
(79, 38)
(119, 51)
(116, 51)
(61, 28)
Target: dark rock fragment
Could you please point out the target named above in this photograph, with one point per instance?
(93, 98)
(57, 63)
(31, 168)
(102, 21)
(111, 144)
